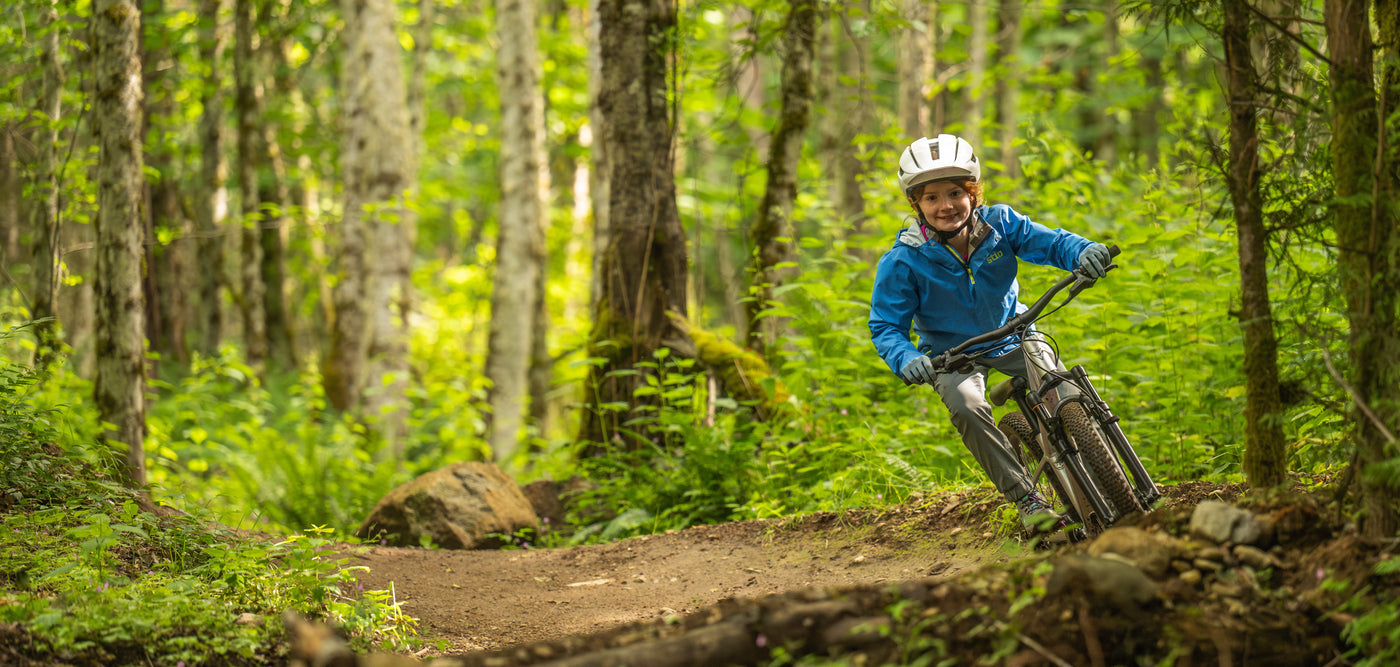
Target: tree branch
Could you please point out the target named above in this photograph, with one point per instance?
(1356, 398)
(1301, 42)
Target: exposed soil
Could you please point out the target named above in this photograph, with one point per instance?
(495, 599)
(950, 572)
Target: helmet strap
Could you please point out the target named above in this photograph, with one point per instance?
(945, 237)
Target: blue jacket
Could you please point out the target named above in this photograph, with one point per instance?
(926, 284)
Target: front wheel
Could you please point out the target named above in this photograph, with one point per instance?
(1027, 448)
(1094, 450)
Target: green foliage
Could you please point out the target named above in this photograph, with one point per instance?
(91, 577)
(278, 457)
(1375, 631)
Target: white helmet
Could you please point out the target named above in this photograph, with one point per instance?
(927, 160)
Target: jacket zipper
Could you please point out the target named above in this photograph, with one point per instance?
(967, 266)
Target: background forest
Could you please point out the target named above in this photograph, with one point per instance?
(364, 242)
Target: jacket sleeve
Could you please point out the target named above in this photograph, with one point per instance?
(1039, 244)
(892, 306)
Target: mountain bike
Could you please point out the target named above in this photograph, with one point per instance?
(1065, 433)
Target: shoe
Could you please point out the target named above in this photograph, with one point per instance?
(1036, 514)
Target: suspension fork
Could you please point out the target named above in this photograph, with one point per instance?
(1146, 490)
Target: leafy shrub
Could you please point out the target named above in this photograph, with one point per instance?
(90, 577)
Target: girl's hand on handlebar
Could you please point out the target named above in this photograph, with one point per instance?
(1095, 260)
(918, 370)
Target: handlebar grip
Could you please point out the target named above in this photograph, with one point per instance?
(1113, 250)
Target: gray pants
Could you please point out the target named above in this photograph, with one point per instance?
(965, 394)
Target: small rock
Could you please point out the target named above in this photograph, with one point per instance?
(1222, 522)
(1254, 557)
(1226, 590)
(1211, 553)
(1206, 565)
(1181, 565)
(249, 619)
(1192, 577)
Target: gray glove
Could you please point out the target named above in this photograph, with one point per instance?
(1094, 260)
(918, 370)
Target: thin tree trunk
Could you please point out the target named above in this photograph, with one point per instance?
(772, 233)
(1366, 238)
(510, 350)
(77, 304)
(644, 267)
(249, 110)
(846, 104)
(168, 265)
(975, 107)
(376, 158)
(1265, 458)
(600, 184)
(1008, 86)
(46, 229)
(914, 66)
(11, 189)
(275, 195)
(212, 205)
(749, 72)
(121, 372)
(274, 198)
(1106, 145)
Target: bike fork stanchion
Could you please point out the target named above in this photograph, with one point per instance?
(1063, 453)
(1146, 490)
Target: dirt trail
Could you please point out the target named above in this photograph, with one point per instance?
(479, 600)
(853, 583)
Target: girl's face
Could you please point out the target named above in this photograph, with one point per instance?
(945, 204)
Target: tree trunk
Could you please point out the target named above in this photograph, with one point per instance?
(644, 268)
(844, 62)
(772, 233)
(168, 265)
(975, 107)
(121, 371)
(248, 108)
(914, 67)
(46, 229)
(11, 189)
(1106, 143)
(513, 301)
(1367, 259)
(600, 185)
(1381, 340)
(376, 159)
(1265, 458)
(1008, 85)
(212, 206)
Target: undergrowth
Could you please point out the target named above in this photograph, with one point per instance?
(87, 577)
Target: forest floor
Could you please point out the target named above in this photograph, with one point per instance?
(949, 574)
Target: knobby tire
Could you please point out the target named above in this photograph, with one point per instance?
(1093, 449)
(1018, 430)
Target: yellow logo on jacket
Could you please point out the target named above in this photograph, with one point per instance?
(994, 257)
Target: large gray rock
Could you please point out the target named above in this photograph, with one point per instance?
(1222, 522)
(458, 507)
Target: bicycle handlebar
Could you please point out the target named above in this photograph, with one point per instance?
(954, 357)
